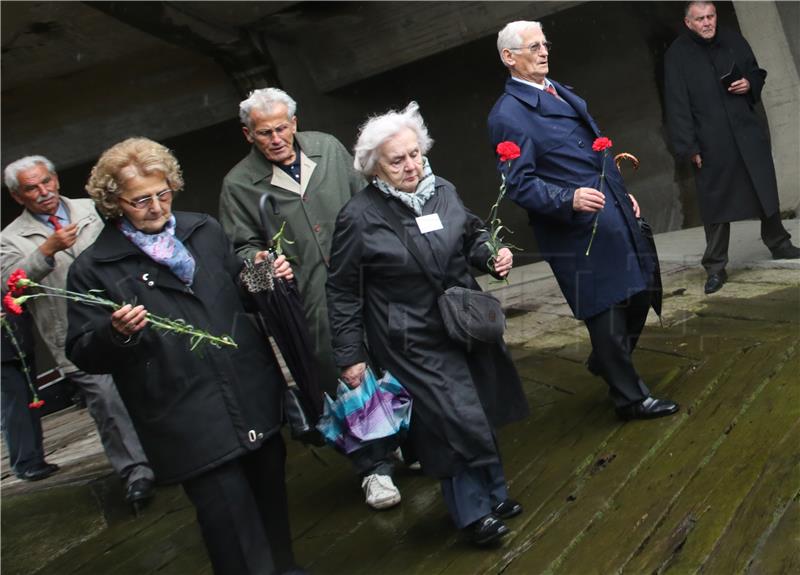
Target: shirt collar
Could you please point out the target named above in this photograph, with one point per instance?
(534, 84)
(61, 214)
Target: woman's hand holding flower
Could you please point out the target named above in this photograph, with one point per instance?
(588, 200)
(503, 262)
(129, 320)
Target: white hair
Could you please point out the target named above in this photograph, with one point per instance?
(263, 100)
(377, 129)
(11, 173)
(510, 37)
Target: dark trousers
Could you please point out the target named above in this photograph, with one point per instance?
(718, 236)
(22, 428)
(375, 456)
(614, 334)
(471, 493)
(243, 512)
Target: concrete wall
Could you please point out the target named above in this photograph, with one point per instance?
(775, 45)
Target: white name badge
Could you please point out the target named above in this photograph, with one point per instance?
(429, 223)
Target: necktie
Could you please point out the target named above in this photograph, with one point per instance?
(55, 222)
(551, 90)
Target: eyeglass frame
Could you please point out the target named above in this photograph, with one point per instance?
(272, 132)
(144, 203)
(539, 46)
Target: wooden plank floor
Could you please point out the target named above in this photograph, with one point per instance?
(715, 489)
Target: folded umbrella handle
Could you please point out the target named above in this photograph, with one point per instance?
(262, 212)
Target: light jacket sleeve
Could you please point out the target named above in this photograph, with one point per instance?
(35, 264)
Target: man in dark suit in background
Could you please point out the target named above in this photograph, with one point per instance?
(22, 428)
(712, 83)
(556, 179)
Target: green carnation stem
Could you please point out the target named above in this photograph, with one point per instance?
(197, 336)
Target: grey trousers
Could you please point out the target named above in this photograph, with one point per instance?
(114, 425)
(718, 236)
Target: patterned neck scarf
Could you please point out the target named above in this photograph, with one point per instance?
(163, 248)
(416, 200)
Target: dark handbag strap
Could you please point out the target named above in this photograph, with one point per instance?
(380, 202)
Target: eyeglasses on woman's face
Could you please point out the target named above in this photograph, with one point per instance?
(147, 201)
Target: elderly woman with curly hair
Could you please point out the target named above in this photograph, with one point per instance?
(208, 419)
(379, 297)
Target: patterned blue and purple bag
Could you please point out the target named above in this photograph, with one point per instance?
(377, 408)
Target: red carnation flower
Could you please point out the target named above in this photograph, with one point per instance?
(36, 404)
(507, 151)
(11, 304)
(15, 286)
(601, 144)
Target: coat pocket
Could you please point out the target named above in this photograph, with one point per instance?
(398, 326)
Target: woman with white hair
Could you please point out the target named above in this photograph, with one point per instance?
(383, 307)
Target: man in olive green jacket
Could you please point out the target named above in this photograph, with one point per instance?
(310, 175)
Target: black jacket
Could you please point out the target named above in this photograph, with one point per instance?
(737, 180)
(193, 410)
(378, 293)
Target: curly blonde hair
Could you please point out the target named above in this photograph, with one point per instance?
(128, 159)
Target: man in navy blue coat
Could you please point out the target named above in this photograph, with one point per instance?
(557, 180)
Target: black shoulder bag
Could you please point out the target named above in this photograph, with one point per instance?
(471, 317)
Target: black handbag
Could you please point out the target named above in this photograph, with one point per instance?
(471, 317)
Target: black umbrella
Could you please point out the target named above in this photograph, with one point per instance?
(654, 285)
(281, 309)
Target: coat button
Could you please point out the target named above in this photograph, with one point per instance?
(151, 283)
(261, 435)
(317, 228)
(580, 143)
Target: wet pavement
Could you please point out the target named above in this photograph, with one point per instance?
(715, 488)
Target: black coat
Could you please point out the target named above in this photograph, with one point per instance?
(193, 410)
(376, 289)
(737, 180)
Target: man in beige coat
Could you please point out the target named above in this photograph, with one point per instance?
(44, 241)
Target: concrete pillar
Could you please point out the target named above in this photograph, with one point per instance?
(761, 24)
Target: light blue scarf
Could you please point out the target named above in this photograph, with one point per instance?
(163, 248)
(425, 189)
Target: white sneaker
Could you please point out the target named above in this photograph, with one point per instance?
(380, 491)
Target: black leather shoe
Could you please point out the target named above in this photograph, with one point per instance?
(715, 282)
(786, 251)
(39, 471)
(139, 493)
(648, 408)
(507, 509)
(487, 530)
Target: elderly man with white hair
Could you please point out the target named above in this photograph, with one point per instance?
(45, 240)
(586, 227)
(310, 176)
